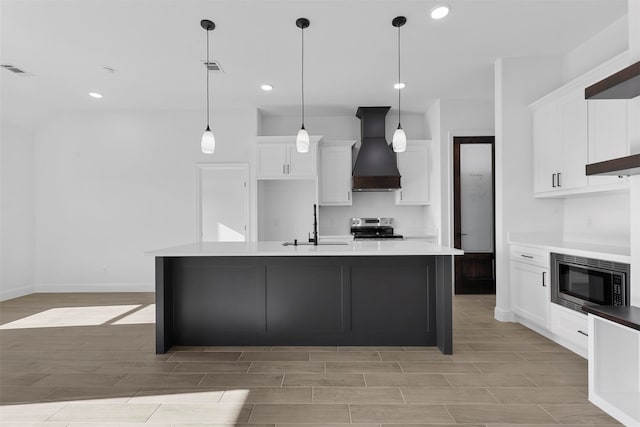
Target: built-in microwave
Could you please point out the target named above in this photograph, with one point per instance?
(577, 280)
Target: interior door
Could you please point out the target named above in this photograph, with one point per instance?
(474, 218)
(223, 203)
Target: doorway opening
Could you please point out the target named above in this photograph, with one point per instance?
(222, 202)
(474, 214)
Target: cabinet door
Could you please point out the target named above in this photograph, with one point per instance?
(335, 176)
(607, 134)
(530, 290)
(573, 140)
(414, 171)
(301, 164)
(270, 161)
(546, 159)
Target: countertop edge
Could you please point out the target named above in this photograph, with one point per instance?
(628, 316)
(559, 247)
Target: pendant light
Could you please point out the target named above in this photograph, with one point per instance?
(208, 141)
(399, 137)
(302, 139)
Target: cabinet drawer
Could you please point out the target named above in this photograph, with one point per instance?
(570, 325)
(534, 256)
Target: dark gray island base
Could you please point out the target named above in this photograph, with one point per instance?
(304, 300)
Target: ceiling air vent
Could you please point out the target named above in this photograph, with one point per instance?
(213, 66)
(15, 70)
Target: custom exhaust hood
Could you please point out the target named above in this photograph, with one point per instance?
(625, 84)
(375, 168)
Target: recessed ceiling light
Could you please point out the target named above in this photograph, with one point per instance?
(399, 86)
(266, 87)
(439, 11)
(95, 95)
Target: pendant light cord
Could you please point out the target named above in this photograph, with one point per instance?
(302, 69)
(399, 79)
(206, 67)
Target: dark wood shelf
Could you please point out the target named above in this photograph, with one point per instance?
(628, 165)
(627, 316)
(625, 84)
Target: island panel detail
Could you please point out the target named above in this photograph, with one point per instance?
(322, 300)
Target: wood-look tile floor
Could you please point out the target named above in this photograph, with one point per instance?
(88, 359)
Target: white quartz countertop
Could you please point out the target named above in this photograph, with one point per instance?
(356, 248)
(558, 245)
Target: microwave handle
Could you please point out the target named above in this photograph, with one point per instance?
(544, 273)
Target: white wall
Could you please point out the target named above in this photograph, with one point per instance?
(458, 118)
(518, 82)
(601, 218)
(111, 185)
(603, 46)
(17, 212)
(334, 220)
(634, 50)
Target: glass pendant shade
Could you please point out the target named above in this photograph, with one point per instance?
(302, 141)
(399, 140)
(208, 142)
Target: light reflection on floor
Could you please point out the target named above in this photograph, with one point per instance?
(59, 317)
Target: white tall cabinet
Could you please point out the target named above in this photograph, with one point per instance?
(335, 173)
(413, 165)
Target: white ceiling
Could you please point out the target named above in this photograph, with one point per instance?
(157, 47)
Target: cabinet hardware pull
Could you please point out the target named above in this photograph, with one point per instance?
(559, 173)
(283, 172)
(526, 256)
(553, 180)
(401, 195)
(583, 333)
(544, 273)
(348, 195)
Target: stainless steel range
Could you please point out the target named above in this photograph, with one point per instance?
(373, 229)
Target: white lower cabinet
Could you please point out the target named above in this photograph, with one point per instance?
(571, 328)
(530, 292)
(531, 300)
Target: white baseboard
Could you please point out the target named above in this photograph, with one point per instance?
(94, 287)
(502, 315)
(15, 293)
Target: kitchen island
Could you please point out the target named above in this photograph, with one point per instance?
(263, 293)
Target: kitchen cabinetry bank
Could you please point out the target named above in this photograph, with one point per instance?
(569, 132)
(264, 293)
(531, 287)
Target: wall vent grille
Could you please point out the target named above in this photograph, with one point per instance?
(213, 66)
(15, 70)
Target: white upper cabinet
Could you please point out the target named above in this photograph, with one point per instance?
(546, 156)
(413, 165)
(608, 134)
(276, 157)
(573, 142)
(560, 144)
(570, 132)
(335, 173)
(270, 160)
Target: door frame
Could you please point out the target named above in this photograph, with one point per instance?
(200, 167)
(457, 217)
